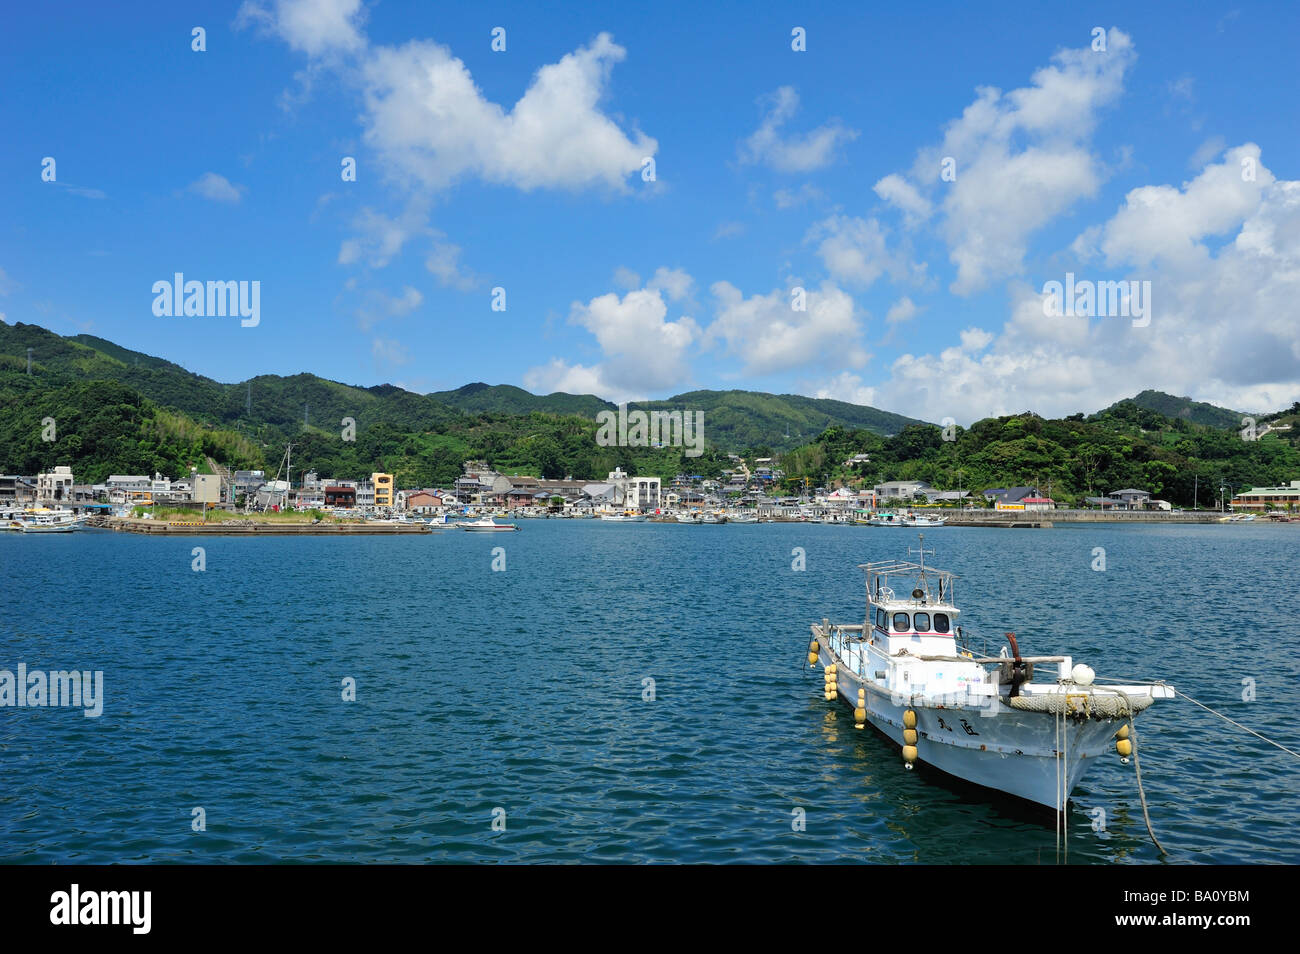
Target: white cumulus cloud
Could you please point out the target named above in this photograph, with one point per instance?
(216, 187)
(769, 335)
(785, 151)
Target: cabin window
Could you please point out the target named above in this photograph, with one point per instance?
(922, 622)
(941, 623)
(901, 623)
(881, 620)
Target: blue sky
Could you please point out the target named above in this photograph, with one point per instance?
(774, 169)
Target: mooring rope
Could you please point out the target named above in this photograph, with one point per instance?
(1238, 724)
(1137, 766)
(1060, 808)
(1244, 728)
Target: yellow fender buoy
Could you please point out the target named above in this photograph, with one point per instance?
(860, 713)
(909, 755)
(909, 736)
(1124, 747)
(909, 719)
(1123, 732)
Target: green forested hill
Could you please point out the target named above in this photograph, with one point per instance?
(735, 421)
(103, 427)
(507, 399)
(271, 408)
(1182, 408)
(1123, 446)
(120, 411)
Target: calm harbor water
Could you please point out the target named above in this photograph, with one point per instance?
(523, 690)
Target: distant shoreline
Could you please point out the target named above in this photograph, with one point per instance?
(976, 518)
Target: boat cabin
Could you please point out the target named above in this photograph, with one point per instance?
(910, 606)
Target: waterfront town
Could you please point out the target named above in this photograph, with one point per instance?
(755, 491)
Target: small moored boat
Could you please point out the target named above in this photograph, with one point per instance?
(1029, 726)
(486, 524)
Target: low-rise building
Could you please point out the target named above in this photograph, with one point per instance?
(637, 493)
(15, 489)
(383, 489)
(249, 481)
(900, 489)
(207, 489)
(54, 486)
(1000, 497)
(948, 497)
(340, 495)
(1269, 498)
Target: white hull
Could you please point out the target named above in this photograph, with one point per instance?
(1026, 726)
(486, 526)
(985, 742)
(1012, 752)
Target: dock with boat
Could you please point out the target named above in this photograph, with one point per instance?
(249, 528)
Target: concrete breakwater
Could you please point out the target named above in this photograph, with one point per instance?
(1048, 517)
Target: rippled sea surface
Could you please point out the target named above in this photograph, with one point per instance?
(482, 692)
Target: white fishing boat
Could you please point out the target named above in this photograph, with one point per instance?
(689, 516)
(743, 517)
(47, 521)
(905, 519)
(923, 520)
(1029, 726)
(714, 518)
(627, 516)
(484, 525)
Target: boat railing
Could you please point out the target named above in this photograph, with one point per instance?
(983, 660)
(844, 646)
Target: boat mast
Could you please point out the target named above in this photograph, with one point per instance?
(921, 552)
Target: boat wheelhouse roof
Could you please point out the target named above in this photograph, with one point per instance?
(888, 584)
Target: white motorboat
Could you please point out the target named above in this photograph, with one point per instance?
(906, 519)
(1029, 726)
(743, 517)
(923, 520)
(627, 516)
(484, 525)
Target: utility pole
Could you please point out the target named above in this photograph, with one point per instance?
(250, 398)
(1196, 478)
(29, 362)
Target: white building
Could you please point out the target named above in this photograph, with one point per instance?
(635, 493)
(207, 488)
(55, 485)
(900, 489)
(841, 499)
